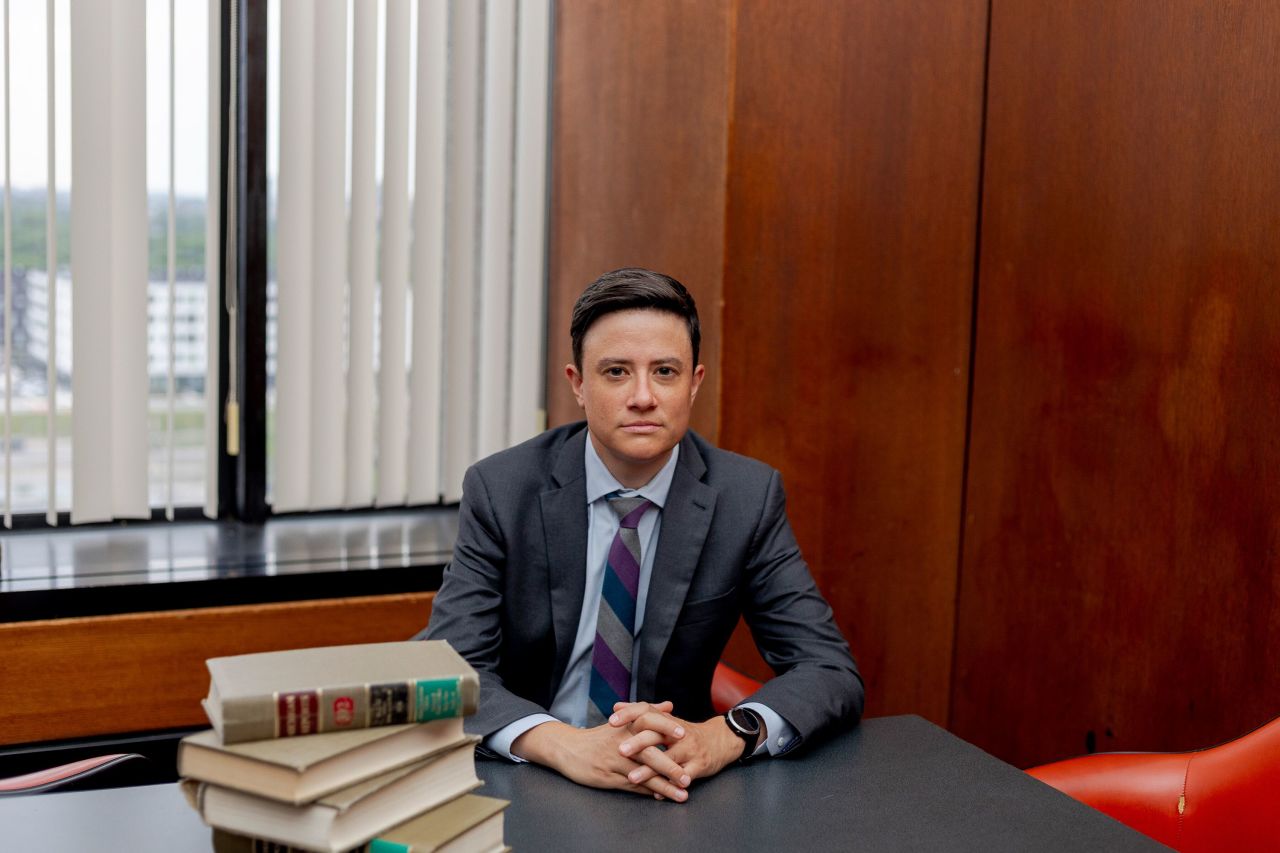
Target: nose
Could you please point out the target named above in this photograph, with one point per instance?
(642, 393)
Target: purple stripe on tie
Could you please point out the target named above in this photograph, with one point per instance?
(611, 669)
(624, 566)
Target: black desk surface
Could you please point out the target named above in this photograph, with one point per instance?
(895, 783)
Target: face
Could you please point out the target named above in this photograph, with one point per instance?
(637, 386)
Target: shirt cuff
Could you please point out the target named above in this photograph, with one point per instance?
(781, 736)
(500, 741)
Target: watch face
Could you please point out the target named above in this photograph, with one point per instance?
(745, 721)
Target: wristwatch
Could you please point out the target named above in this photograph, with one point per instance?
(747, 725)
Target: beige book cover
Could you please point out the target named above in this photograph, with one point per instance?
(346, 818)
(298, 770)
(334, 688)
(469, 824)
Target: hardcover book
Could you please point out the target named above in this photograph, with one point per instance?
(335, 688)
(298, 770)
(344, 819)
(469, 824)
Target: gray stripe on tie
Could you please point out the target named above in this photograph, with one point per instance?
(614, 633)
(624, 506)
(631, 540)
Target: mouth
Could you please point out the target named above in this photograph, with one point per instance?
(641, 427)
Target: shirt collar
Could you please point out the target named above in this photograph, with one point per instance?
(600, 482)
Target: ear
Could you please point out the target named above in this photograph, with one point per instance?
(699, 373)
(575, 382)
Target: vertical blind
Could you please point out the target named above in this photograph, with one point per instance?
(105, 58)
(213, 264)
(50, 266)
(109, 383)
(457, 271)
(393, 389)
(8, 287)
(427, 263)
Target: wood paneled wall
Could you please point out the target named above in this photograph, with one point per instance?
(1121, 576)
(640, 127)
(853, 186)
(1086, 194)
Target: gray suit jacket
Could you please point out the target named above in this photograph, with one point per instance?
(512, 596)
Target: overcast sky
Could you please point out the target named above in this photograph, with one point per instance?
(28, 90)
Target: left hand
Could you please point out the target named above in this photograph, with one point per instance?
(693, 750)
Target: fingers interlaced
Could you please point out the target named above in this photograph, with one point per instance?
(624, 713)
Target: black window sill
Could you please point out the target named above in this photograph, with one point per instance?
(172, 566)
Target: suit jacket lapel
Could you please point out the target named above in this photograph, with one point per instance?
(686, 518)
(564, 526)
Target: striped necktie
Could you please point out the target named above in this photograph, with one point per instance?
(615, 624)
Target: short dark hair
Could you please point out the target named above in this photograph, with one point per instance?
(628, 288)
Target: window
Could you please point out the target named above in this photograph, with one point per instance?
(385, 320)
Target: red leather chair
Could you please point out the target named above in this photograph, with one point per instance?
(1223, 798)
(729, 687)
(99, 771)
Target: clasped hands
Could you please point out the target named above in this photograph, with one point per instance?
(642, 748)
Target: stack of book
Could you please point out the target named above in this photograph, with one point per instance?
(341, 748)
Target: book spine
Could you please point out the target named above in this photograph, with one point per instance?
(380, 845)
(246, 720)
(230, 842)
(306, 712)
(438, 698)
(297, 713)
(420, 701)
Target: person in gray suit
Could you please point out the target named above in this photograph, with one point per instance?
(601, 567)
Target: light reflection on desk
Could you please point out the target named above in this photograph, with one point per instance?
(152, 556)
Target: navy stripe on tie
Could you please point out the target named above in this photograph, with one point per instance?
(624, 606)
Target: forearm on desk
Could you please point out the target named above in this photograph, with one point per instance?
(501, 741)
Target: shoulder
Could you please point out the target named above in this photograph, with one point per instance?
(749, 494)
(729, 471)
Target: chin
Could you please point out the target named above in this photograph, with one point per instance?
(641, 449)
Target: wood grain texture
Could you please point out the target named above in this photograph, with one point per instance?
(639, 135)
(1121, 578)
(852, 208)
(65, 678)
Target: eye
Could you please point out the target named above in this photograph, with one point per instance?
(615, 371)
(666, 371)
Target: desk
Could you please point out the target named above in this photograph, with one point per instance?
(895, 783)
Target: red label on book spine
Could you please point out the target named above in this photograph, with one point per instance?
(297, 713)
(344, 711)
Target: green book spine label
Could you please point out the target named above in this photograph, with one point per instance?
(438, 698)
(379, 845)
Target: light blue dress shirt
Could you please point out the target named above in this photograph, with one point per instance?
(570, 702)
